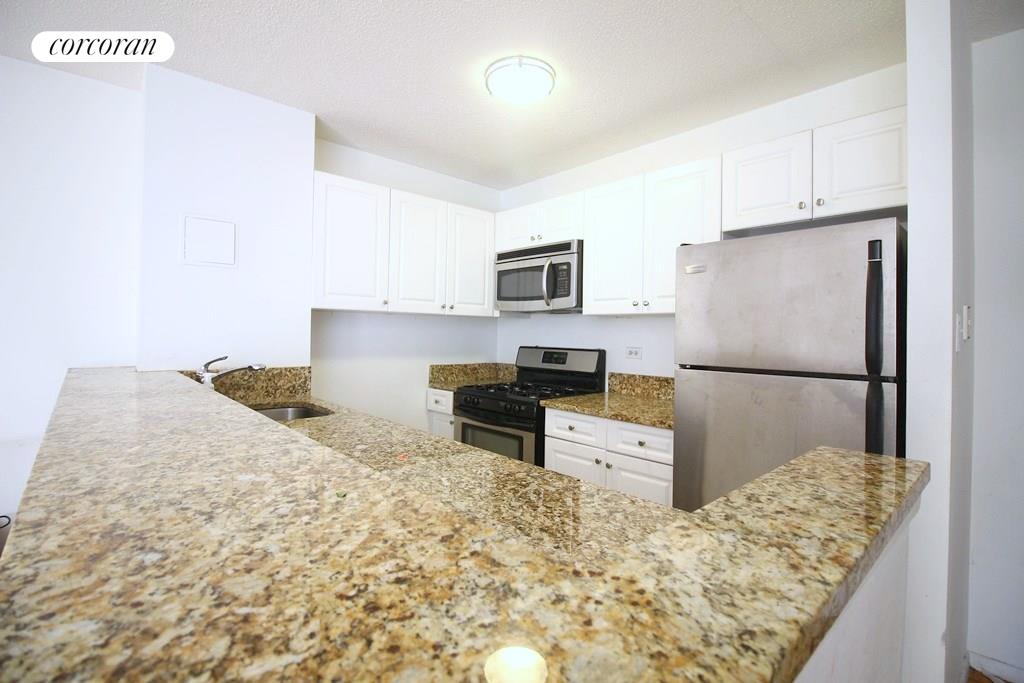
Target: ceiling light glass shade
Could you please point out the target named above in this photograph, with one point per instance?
(520, 79)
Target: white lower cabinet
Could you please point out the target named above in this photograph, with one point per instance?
(592, 451)
(442, 425)
(575, 460)
(641, 478)
(440, 419)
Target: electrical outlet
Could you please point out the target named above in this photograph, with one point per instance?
(634, 352)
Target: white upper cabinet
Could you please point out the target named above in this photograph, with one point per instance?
(613, 253)
(560, 219)
(350, 244)
(419, 249)
(514, 228)
(861, 164)
(683, 205)
(470, 263)
(767, 183)
(552, 220)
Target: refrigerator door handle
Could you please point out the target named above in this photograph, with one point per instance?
(873, 310)
(874, 418)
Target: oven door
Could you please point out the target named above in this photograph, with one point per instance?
(545, 283)
(513, 443)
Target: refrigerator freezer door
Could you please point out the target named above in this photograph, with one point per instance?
(791, 301)
(731, 428)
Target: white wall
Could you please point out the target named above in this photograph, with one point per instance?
(939, 387)
(865, 94)
(355, 353)
(655, 333)
(68, 249)
(370, 168)
(215, 152)
(995, 635)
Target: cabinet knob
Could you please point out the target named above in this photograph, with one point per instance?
(802, 205)
(608, 465)
(451, 307)
(636, 303)
(597, 461)
(540, 237)
(641, 443)
(572, 428)
(451, 422)
(442, 307)
(437, 401)
(385, 302)
(819, 202)
(533, 238)
(647, 303)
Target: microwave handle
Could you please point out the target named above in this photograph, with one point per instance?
(544, 282)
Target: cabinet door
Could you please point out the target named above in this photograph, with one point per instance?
(861, 164)
(419, 235)
(350, 244)
(683, 204)
(517, 228)
(575, 460)
(641, 478)
(767, 183)
(470, 266)
(442, 425)
(560, 219)
(613, 247)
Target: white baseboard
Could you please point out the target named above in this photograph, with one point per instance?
(994, 668)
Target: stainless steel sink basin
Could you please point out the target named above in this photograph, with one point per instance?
(285, 413)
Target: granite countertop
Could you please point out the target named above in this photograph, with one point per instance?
(449, 377)
(167, 531)
(640, 399)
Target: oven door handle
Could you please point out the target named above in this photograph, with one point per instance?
(544, 282)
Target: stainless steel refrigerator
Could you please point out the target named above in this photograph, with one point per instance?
(785, 342)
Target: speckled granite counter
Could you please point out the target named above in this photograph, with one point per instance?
(640, 399)
(169, 532)
(452, 376)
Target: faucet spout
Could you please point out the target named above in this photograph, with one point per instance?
(208, 376)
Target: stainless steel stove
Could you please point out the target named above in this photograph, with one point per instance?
(507, 418)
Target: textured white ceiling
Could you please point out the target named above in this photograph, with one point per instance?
(404, 79)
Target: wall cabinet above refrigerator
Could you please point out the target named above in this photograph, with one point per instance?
(847, 167)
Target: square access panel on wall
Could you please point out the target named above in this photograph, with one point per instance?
(209, 242)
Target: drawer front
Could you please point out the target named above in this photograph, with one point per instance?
(439, 401)
(575, 460)
(575, 427)
(639, 441)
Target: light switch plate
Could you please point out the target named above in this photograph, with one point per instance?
(209, 242)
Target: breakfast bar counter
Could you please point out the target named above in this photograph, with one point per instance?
(169, 532)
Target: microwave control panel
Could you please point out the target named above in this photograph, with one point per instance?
(563, 280)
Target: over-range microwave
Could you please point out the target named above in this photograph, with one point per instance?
(544, 278)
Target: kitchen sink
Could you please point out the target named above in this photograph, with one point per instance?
(285, 413)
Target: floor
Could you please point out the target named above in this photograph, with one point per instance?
(975, 676)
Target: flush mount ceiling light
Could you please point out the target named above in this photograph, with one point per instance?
(520, 79)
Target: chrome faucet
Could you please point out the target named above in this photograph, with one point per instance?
(209, 377)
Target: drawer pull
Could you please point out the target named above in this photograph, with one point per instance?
(608, 465)
(571, 428)
(597, 461)
(641, 443)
